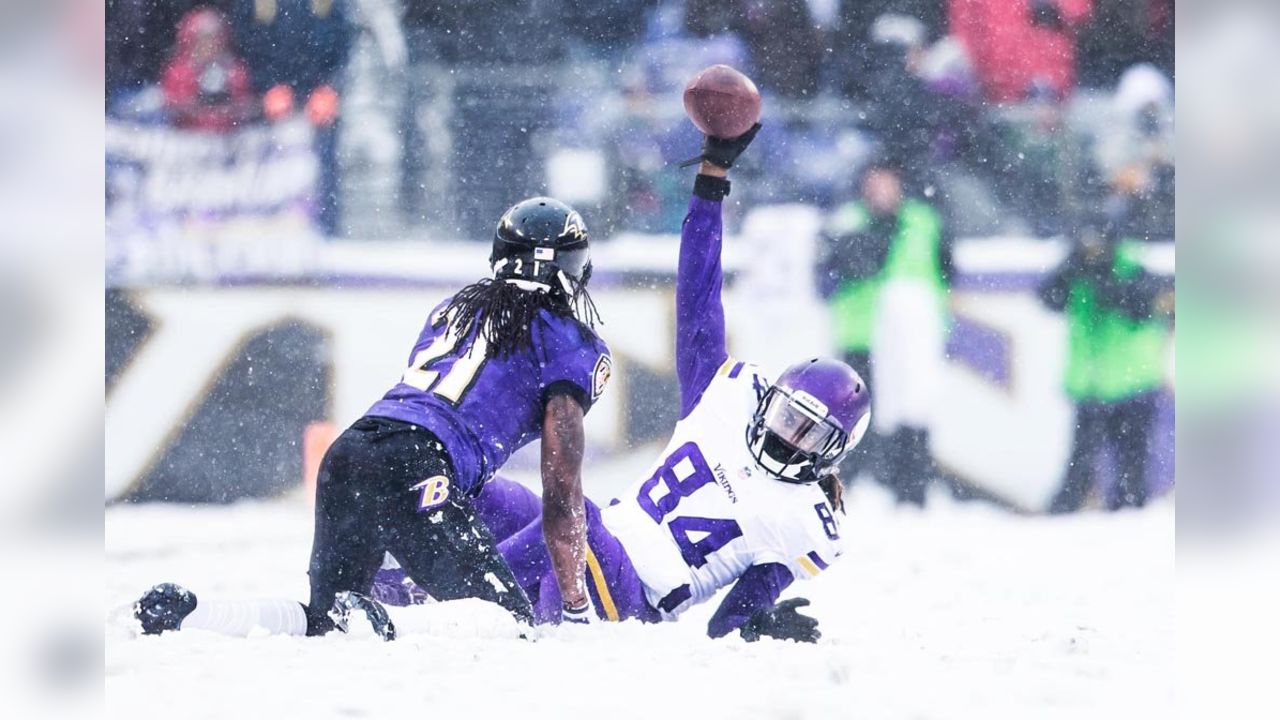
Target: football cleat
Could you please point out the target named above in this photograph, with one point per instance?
(163, 608)
(347, 601)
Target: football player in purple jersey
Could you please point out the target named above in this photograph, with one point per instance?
(501, 363)
(745, 495)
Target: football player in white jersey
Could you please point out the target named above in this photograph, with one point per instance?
(744, 494)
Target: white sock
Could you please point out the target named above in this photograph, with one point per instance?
(241, 617)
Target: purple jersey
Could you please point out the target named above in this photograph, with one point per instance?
(485, 408)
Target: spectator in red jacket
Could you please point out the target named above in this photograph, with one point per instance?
(206, 87)
(1017, 45)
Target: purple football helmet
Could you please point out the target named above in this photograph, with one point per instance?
(818, 410)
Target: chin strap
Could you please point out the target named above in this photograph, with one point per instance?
(565, 283)
(790, 472)
(776, 469)
(528, 284)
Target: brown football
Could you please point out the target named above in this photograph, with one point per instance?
(722, 102)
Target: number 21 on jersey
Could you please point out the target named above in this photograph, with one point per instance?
(455, 381)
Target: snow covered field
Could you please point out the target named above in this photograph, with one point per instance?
(960, 612)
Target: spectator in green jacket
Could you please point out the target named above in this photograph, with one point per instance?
(888, 240)
(1117, 318)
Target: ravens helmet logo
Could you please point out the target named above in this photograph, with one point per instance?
(574, 227)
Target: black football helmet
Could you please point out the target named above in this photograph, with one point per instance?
(541, 243)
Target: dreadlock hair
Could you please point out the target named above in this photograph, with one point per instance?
(505, 313)
(834, 489)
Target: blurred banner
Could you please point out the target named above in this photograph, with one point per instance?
(184, 204)
(210, 390)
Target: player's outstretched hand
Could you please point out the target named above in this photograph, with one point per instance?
(782, 621)
(723, 152)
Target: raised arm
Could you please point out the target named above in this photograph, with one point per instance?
(700, 336)
(564, 524)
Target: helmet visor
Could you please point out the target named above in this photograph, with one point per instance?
(798, 421)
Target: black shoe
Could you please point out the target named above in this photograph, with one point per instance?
(346, 601)
(164, 607)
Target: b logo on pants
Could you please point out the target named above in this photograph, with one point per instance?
(435, 491)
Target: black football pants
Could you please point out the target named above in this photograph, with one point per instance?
(369, 500)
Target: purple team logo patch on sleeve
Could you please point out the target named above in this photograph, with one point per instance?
(600, 376)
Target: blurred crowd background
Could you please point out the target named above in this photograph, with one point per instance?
(1013, 116)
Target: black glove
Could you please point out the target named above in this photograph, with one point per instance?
(783, 622)
(721, 152)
